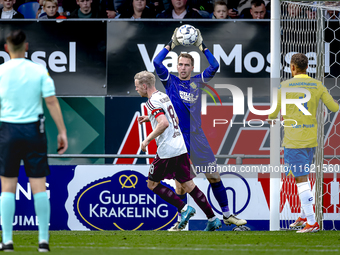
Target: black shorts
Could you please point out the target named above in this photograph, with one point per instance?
(178, 168)
(23, 142)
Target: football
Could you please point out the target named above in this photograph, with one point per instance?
(186, 35)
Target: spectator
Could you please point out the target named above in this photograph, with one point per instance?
(8, 12)
(69, 6)
(179, 9)
(59, 7)
(294, 11)
(332, 14)
(137, 9)
(50, 8)
(40, 10)
(233, 12)
(157, 6)
(106, 8)
(257, 11)
(85, 11)
(220, 11)
(204, 7)
(17, 3)
(311, 13)
(268, 7)
(240, 5)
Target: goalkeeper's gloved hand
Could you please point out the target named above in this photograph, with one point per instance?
(199, 42)
(173, 42)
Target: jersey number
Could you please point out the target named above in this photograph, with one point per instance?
(172, 115)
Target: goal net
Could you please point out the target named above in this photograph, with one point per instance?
(313, 28)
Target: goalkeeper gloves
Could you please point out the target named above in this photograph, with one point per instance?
(173, 42)
(199, 42)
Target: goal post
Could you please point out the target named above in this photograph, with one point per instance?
(275, 129)
(311, 28)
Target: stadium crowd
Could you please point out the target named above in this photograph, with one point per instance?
(136, 9)
(139, 9)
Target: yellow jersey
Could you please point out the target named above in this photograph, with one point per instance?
(302, 133)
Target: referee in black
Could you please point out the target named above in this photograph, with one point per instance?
(23, 85)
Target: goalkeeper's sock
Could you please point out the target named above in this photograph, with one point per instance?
(306, 198)
(7, 215)
(221, 197)
(169, 196)
(185, 200)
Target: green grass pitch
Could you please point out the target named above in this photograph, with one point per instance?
(185, 242)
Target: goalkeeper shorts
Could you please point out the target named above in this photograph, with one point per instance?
(298, 161)
(200, 152)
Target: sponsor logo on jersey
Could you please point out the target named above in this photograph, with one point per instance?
(193, 85)
(188, 97)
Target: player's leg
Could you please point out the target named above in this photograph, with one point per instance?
(220, 194)
(298, 159)
(8, 188)
(201, 200)
(307, 198)
(36, 167)
(184, 175)
(301, 221)
(203, 157)
(169, 196)
(180, 192)
(10, 156)
(42, 210)
(166, 169)
(166, 194)
(289, 159)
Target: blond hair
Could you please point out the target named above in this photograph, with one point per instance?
(145, 77)
(52, 1)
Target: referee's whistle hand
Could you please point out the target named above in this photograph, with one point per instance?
(62, 143)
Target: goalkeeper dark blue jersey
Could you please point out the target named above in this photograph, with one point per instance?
(185, 95)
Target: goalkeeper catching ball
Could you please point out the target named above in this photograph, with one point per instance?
(185, 94)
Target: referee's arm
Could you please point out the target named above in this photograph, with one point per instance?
(53, 106)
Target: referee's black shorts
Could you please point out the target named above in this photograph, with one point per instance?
(23, 142)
